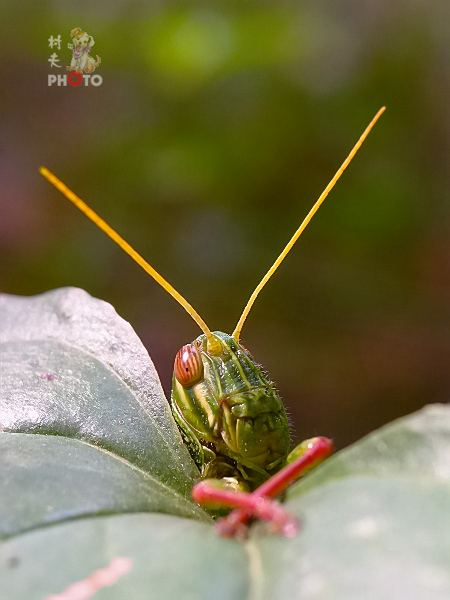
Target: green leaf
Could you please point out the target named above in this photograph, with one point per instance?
(172, 558)
(417, 446)
(105, 404)
(375, 517)
(377, 545)
(47, 479)
(363, 538)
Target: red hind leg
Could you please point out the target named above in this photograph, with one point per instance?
(258, 504)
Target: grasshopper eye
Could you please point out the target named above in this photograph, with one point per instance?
(188, 366)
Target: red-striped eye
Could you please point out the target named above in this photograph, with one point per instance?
(188, 366)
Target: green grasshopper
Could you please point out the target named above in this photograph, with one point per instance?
(229, 413)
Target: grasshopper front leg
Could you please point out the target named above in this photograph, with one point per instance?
(259, 504)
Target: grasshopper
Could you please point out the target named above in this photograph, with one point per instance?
(229, 413)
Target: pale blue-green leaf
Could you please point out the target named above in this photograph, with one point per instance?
(46, 479)
(172, 558)
(361, 538)
(105, 391)
(416, 446)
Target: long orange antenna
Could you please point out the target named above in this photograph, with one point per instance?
(93, 216)
(309, 216)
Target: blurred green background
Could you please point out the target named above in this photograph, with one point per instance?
(217, 126)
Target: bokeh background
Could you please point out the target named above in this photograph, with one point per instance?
(216, 127)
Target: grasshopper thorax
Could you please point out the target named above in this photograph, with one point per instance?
(227, 407)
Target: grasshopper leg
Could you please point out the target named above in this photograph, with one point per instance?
(211, 494)
(305, 457)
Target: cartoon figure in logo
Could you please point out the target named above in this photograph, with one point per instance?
(82, 44)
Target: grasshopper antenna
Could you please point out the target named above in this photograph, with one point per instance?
(309, 216)
(213, 344)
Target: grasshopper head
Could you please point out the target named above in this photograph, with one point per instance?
(226, 401)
